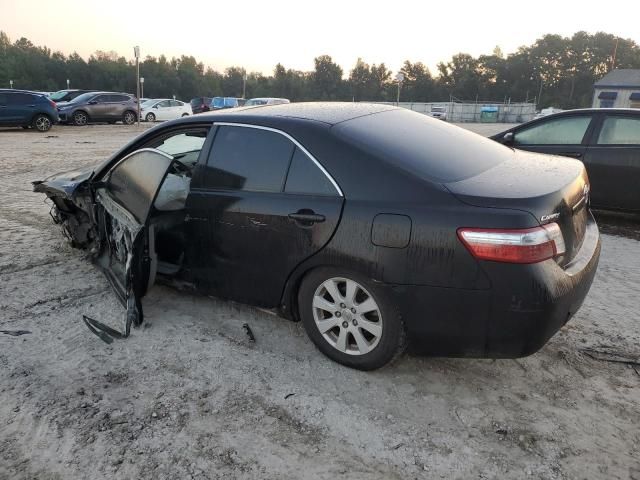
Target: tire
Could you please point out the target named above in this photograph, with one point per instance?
(80, 118)
(150, 117)
(42, 123)
(129, 117)
(345, 338)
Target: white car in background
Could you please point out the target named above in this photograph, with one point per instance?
(439, 112)
(158, 109)
(266, 101)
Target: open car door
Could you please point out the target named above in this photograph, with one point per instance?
(124, 200)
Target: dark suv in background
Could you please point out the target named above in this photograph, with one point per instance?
(108, 107)
(201, 104)
(22, 108)
(67, 95)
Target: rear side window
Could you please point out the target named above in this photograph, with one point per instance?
(249, 159)
(101, 98)
(119, 98)
(21, 98)
(175, 103)
(305, 177)
(620, 131)
(559, 131)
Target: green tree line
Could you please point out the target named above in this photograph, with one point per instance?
(555, 70)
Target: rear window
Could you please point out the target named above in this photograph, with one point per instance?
(426, 147)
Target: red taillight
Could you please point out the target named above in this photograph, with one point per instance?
(53, 104)
(529, 245)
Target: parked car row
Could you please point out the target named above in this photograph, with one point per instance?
(207, 104)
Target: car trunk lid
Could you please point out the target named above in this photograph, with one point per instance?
(551, 188)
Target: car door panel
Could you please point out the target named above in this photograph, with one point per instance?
(246, 244)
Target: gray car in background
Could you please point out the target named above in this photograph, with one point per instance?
(110, 107)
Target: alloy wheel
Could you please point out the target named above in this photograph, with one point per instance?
(43, 124)
(80, 118)
(129, 118)
(150, 117)
(347, 316)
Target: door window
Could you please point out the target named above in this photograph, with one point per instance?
(175, 103)
(118, 98)
(163, 104)
(101, 99)
(559, 131)
(305, 177)
(249, 159)
(184, 146)
(20, 98)
(620, 131)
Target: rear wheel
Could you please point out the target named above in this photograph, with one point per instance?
(80, 118)
(150, 117)
(42, 123)
(129, 118)
(350, 319)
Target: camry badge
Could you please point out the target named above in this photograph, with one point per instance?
(551, 216)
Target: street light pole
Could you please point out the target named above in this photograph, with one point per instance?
(67, 84)
(141, 87)
(244, 84)
(399, 79)
(11, 83)
(136, 52)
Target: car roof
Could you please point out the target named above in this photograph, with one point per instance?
(330, 113)
(17, 90)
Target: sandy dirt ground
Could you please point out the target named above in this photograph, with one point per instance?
(189, 396)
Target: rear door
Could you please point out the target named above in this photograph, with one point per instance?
(259, 205)
(116, 106)
(21, 107)
(565, 135)
(613, 161)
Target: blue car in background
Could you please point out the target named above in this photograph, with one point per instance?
(26, 109)
(218, 103)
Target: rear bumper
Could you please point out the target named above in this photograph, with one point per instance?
(525, 306)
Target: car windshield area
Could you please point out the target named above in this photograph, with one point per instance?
(148, 103)
(58, 95)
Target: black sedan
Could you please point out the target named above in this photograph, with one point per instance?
(371, 224)
(607, 140)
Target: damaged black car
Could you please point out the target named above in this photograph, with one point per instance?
(373, 225)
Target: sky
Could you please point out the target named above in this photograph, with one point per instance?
(257, 34)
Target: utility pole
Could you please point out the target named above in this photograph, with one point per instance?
(141, 87)
(67, 84)
(11, 83)
(615, 51)
(136, 52)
